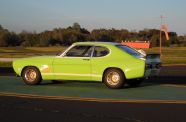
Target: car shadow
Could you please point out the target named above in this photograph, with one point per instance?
(164, 80)
(161, 80)
(74, 84)
(176, 80)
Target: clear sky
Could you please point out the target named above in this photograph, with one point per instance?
(40, 15)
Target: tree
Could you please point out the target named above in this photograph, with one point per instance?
(102, 35)
(12, 39)
(4, 36)
(1, 28)
(76, 26)
(155, 41)
(3, 39)
(173, 38)
(74, 33)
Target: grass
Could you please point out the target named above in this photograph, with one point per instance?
(31, 49)
(170, 55)
(5, 64)
(20, 52)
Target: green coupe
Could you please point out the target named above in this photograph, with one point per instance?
(111, 63)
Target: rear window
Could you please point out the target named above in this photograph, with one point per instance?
(129, 50)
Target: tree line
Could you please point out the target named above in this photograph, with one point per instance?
(75, 33)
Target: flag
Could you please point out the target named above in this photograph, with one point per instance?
(164, 28)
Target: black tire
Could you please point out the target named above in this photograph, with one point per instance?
(31, 76)
(135, 82)
(114, 78)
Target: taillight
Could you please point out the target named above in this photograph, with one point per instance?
(148, 66)
(158, 66)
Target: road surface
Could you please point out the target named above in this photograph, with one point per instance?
(20, 109)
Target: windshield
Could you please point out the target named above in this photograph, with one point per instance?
(129, 51)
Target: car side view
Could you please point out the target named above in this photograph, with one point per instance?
(111, 63)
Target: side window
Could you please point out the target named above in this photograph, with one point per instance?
(100, 51)
(80, 51)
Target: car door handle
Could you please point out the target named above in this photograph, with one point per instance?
(86, 59)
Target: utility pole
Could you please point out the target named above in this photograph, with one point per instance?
(161, 19)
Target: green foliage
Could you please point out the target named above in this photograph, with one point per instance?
(3, 37)
(75, 33)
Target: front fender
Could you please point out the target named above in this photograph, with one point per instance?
(45, 65)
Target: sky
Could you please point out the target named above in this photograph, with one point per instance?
(134, 15)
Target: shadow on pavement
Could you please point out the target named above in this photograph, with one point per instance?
(176, 80)
(7, 71)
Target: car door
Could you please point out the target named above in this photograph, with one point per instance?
(75, 64)
(99, 61)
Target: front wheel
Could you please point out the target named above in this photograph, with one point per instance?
(31, 76)
(113, 78)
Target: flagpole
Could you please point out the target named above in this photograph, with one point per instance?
(161, 17)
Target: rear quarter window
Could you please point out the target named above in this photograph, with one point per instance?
(129, 50)
(100, 51)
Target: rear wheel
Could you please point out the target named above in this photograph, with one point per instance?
(31, 76)
(113, 78)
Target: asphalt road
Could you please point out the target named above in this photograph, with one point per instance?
(29, 109)
(14, 109)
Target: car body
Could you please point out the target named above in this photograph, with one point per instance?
(90, 61)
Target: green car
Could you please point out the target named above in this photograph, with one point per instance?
(111, 63)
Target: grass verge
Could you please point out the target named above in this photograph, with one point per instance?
(5, 64)
(170, 55)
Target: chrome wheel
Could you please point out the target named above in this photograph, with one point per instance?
(113, 78)
(30, 75)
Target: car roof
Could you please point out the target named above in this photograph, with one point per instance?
(97, 43)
